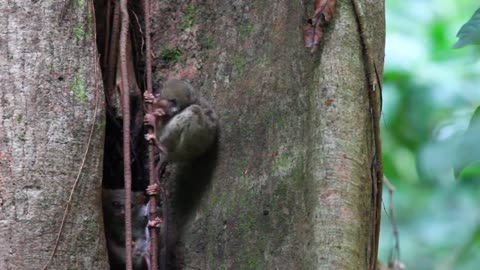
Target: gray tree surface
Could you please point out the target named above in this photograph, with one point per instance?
(50, 99)
(292, 186)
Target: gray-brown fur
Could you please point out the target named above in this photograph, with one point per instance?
(191, 131)
(114, 216)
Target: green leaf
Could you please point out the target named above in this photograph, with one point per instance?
(470, 32)
(467, 151)
(470, 172)
(476, 236)
(475, 118)
(439, 40)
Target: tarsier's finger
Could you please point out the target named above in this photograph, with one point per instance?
(149, 137)
(149, 119)
(152, 189)
(148, 97)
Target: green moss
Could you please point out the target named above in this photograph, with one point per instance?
(101, 124)
(79, 88)
(206, 42)
(171, 56)
(79, 33)
(213, 200)
(189, 18)
(263, 61)
(239, 64)
(228, 207)
(280, 193)
(245, 213)
(240, 211)
(90, 16)
(19, 118)
(283, 163)
(247, 230)
(251, 255)
(251, 261)
(276, 117)
(220, 200)
(245, 28)
(298, 174)
(80, 3)
(211, 258)
(246, 224)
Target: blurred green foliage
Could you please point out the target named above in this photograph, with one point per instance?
(431, 150)
(470, 31)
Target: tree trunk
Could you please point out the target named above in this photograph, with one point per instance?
(51, 136)
(292, 187)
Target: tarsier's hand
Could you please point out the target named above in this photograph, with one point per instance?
(153, 190)
(150, 119)
(155, 223)
(159, 112)
(151, 138)
(148, 97)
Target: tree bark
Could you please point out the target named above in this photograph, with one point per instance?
(51, 133)
(292, 188)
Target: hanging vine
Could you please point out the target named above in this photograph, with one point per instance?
(375, 99)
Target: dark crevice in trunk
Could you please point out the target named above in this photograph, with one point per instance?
(187, 182)
(113, 165)
(107, 19)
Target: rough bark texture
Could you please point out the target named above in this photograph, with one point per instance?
(292, 188)
(292, 185)
(49, 82)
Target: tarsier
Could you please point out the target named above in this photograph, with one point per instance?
(188, 123)
(184, 125)
(114, 215)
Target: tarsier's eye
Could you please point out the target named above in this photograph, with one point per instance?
(173, 108)
(117, 205)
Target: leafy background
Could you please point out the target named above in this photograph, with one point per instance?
(430, 94)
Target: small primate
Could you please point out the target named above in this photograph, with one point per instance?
(114, 216)
(188, 123)
(184, 128)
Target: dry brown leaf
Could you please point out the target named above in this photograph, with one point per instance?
(326, 8)
(312, 35)
(313, 30)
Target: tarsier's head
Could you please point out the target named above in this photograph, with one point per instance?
(180, 95)
(114, 203)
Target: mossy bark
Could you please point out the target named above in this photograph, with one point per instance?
(50, 98)
(292, 188)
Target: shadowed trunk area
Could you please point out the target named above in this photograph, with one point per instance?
(292, 187)
(288, 185)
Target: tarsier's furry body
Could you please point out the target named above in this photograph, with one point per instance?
(114, 215)
(187, 122)
(185, 127)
